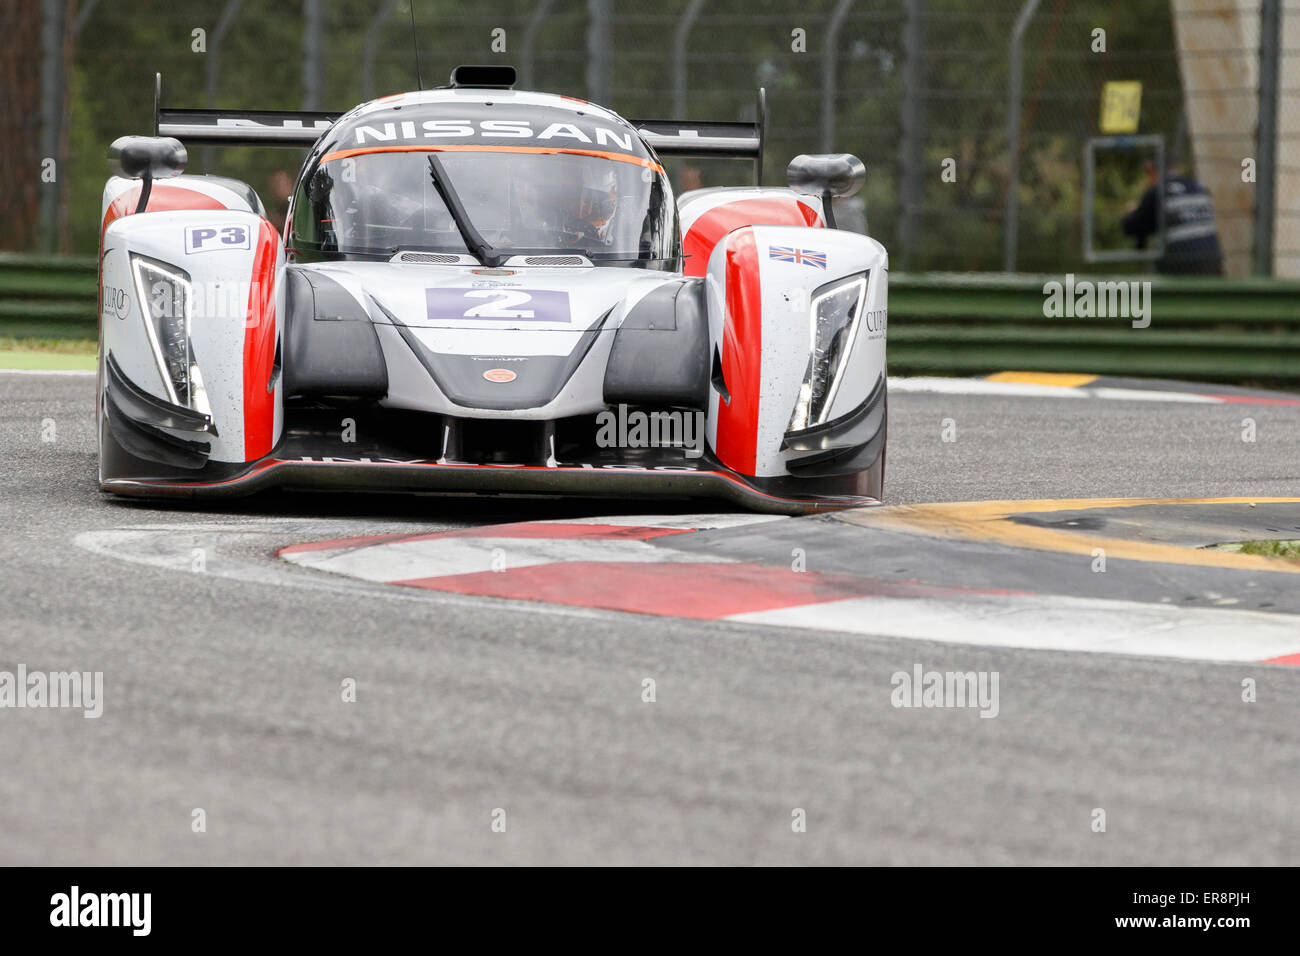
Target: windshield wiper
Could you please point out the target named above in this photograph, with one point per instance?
(474, 240)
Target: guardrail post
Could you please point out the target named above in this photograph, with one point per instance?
(368, 51)
(911, 158)
(599, 39)
(680, 36)
(1011, 214)
(541, 10)
(1270, 42)
(830, 67)
(52, 27)
(84, 13)
(313, 44)
(212, 66)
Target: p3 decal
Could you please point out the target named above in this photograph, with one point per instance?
(501, 305)
(217, 237)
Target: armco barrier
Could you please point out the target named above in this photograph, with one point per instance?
(1205, 329)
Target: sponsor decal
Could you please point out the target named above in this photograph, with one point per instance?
(500, 375)
(804, 257)
(226, 122)
(115, 302)
(877, 321)
(503, 131)
(216, 237)
(498, 305)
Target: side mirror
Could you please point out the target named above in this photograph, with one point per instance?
(146, 158)
(827, 175)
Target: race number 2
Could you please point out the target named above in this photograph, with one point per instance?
(499, 304)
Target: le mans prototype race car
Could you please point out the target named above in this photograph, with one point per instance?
(484, 290)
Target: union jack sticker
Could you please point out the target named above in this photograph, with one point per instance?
(798, 256)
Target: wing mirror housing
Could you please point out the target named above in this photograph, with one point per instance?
(828, 175)
(146, 158)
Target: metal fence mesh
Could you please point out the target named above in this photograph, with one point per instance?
(904, 84)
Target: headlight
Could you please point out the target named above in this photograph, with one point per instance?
(833, 318)
(166, 297)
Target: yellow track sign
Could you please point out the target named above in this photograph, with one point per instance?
(1121, 104)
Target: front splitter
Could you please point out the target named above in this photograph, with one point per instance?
(439, 478)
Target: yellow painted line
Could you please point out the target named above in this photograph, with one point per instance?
(1063, 379)
(991, 521)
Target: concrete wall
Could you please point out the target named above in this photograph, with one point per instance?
(1218, 45)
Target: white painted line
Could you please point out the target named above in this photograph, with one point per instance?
(438, 557)
(1144, 395)
(47, 371)
(979, 386)
(1051, 622)
(700, 522)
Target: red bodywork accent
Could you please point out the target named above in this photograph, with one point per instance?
(162, 198)
(742, 356)
(707, 231)
(259, 347)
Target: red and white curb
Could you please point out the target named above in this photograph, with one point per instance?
(628, 564)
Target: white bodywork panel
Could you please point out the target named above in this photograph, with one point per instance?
(786, 293)
(221, 286)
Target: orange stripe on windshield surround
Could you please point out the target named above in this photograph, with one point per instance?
(474, 148)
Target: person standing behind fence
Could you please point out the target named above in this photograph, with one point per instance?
(1191, 237)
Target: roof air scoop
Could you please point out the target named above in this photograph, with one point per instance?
(483, 77)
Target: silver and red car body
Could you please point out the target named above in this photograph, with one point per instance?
(268, 336)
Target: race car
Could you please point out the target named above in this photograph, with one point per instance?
(486, 290)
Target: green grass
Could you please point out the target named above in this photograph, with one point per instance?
(9, 343)
(55, 355)
(1272, 549)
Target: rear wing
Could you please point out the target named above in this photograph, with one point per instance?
(295, 128)
(243, 127)
(709, 140)
(238, 127)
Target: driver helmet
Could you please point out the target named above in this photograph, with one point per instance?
(597, 198)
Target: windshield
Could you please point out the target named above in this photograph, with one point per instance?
(520, 200)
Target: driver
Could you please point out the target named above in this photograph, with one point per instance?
(593, 204)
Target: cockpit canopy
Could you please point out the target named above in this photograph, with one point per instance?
(527, 179)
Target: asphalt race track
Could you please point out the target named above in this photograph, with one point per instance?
(1120, 691)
